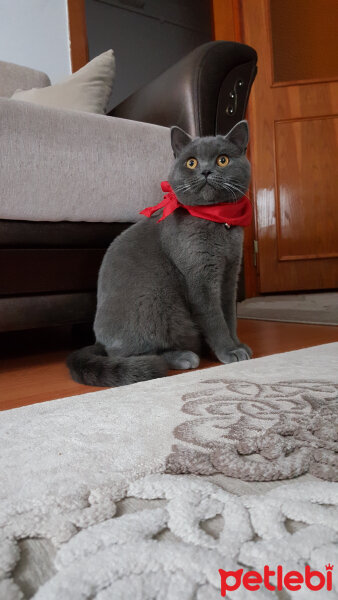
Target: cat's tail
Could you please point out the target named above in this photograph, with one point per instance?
(92, 366)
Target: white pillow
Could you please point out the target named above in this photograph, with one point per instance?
(87, 90)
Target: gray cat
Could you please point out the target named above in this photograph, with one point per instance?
(164, 286)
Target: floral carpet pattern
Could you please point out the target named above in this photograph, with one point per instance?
(290, 426)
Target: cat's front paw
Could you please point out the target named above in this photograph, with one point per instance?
(235, 355)
(246, 348)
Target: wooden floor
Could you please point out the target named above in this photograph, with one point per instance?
(33, 363)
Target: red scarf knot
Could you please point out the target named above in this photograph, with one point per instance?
(230, 213)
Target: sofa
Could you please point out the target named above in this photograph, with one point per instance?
(70, 182)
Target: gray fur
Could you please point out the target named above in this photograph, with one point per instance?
(164, 286)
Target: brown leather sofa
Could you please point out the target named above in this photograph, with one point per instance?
(49, 269)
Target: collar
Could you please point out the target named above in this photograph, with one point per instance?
(229, 213)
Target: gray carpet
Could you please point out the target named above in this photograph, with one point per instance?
(319, 309)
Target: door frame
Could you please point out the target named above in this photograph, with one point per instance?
(77, 29)
(228, 25)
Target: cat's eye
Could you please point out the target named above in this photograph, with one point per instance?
(222, 160)
(192, 163)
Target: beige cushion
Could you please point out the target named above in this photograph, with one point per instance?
(86, 90)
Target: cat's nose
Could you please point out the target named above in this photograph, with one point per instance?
(206, 173)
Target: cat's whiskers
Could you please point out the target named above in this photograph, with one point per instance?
(182, 187)
(241, 189)
(230, 186)
(225, 186)
(189, 186)
(229, 189)
(233, 186)
(236, 182)
(218, 181)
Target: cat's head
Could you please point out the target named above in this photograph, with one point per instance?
(208, 170)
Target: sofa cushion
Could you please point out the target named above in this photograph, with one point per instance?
(88, 89)
(60, 165)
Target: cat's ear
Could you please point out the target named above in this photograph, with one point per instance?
(239, 135)
(179, 139)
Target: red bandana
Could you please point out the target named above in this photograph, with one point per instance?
(230, 213)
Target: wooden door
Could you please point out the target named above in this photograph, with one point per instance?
(294, 133)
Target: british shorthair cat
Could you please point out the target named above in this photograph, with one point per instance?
(164, 286)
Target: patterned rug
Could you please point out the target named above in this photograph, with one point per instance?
(147, 491)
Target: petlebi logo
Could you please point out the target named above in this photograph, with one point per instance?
(290, 580)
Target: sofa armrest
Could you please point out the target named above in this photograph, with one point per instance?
(63, 165)
(14, 77)
(205, 93)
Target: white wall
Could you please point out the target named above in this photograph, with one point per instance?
(34, 33)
